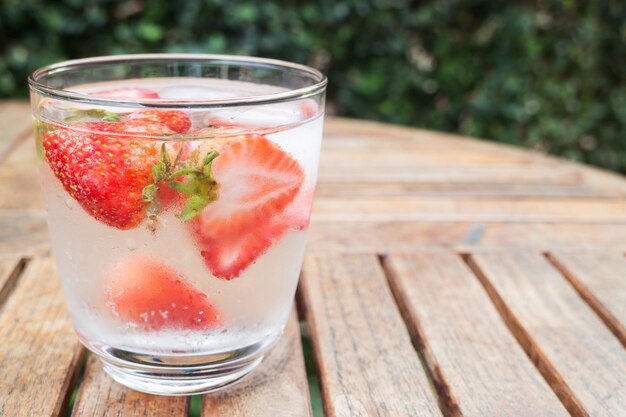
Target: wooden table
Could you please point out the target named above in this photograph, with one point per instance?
(444, 276)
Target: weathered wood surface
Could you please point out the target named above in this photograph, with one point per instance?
(599, 277)
(100, 396)
(39, 351)
(17, 124)
(366, 362)
(402, 236)
(10, 268)
(577, 354)
(278, 388)
(476, 364)
(540, 335)
(468, 209)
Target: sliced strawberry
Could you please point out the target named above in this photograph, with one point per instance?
(228, 254)
(256, 182)
(297, 215)
(174, 119)
(126, 92)
(148, 293)
(104, 173)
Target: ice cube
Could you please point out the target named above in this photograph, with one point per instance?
(182, 92)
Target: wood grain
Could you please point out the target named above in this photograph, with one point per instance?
(579, 357)
(17, 124)
(366, 363)
(599, 277)
(507, 210)
(39, 352)
(10, 268)
(100, 396)
(19, 178)
(478, 367)
(415, 155)
(278, 388)
(23, 232)
(483, 189)
(327, 237)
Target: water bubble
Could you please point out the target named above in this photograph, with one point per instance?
(68, 202)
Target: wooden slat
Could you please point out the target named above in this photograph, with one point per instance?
(535, 210)
(475, 361)
(600, 278)
(580, 358)
(100, 396)
(19, 178)
(483, 189)
(366, 363)
(418, 157)
(404, 163)
(398, 236)
(39, 351)
(277, 388)
(10, 268)
(23, 232)
(16, 122)
(414, 155)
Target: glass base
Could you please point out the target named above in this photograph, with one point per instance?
(180, 374)
(182, 383)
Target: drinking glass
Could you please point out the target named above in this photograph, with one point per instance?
(178, 190)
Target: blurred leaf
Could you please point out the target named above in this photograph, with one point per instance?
(546, 75)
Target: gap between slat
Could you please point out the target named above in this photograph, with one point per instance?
(11, 281)
(590, 299)
(304, 315)
(72, 392)
(445, 399)
(331, 394)
(532, 350)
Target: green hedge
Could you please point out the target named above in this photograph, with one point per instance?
(548, 75)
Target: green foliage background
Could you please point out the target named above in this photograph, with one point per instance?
(546, 74)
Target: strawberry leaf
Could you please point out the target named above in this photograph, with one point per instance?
(193, 206)
(79, 114)
(41, 129)
(196, 183)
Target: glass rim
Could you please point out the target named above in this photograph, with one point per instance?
(320, 82)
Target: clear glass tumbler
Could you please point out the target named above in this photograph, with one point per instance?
(178, 190)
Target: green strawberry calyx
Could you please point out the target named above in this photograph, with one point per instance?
(194, 182)
(75, 115)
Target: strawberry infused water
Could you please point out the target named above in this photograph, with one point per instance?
(178, 205)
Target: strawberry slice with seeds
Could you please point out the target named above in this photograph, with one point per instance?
(105, 173)
(151, 295)
(126, 92)
(228, 254)
(297, 215)
(174, 119)
(256, 181)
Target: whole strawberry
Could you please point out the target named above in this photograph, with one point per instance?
(105, 168)
(174, 119)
